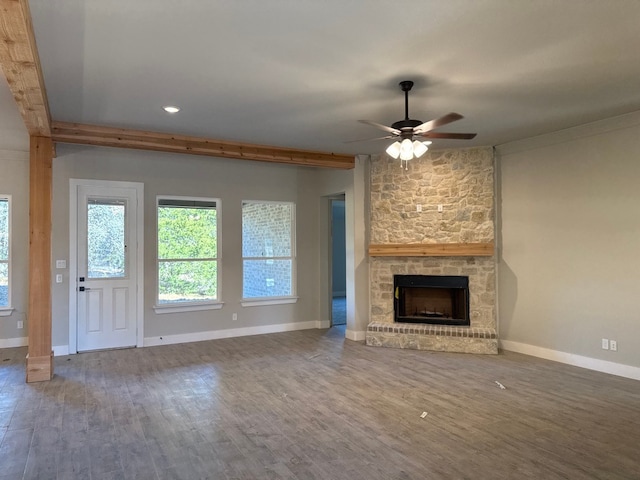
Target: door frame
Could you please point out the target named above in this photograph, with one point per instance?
(74, 183)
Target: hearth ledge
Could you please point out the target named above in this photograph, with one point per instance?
(440, 338)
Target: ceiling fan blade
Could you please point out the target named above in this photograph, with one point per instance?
(371, 139)
(453, 136)
(381, 127)
(438, 122)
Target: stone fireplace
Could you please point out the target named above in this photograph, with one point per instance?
(433, 223)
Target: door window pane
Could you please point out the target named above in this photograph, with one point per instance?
(106, 249)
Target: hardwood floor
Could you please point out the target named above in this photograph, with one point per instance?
(311, 405)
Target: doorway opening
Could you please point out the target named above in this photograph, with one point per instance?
(338, 262)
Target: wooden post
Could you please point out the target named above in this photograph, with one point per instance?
(40, 356)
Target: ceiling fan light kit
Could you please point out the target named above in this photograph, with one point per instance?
(406, 147)
(407, 150)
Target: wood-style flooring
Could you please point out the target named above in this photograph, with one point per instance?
(310, 405)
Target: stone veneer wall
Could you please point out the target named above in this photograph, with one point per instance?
(462, 181)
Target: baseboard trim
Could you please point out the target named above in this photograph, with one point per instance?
(356, 335)
(60, 350)
(14, 342)
(604, 366)
(230, 333)
(323, 323)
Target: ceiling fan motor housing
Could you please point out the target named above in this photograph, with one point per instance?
(406, 127)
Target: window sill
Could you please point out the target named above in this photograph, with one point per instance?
(260, 302)
(162, 309)
(5, 312)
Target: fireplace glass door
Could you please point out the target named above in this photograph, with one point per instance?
(431, 299)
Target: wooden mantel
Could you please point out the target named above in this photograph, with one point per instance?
(431, 250)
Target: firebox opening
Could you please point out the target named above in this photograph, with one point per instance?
(431, 299)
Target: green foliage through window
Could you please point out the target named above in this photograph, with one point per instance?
(187, 250)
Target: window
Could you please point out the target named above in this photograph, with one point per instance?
(5, 223)
(268, 250)
(106, 249)
(187, 251)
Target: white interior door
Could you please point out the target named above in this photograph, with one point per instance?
(107, 267)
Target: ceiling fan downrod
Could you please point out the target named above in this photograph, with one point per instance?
(406, 86)
(407, 125)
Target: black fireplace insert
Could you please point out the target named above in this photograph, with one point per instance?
(431, 299)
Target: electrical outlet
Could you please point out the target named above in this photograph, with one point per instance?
(613, 345)
(418, 208)
(605, 344)
(20, 324)
(234, 317)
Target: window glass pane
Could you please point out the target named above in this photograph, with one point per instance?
(266, 229)
(187, 232)
(4, 229)
(187, 250)
(266, 278)
(105, 239)
(4, 284)
(187, 281)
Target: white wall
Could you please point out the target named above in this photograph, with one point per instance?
(230, 180)
(569, 270)
(165, 174)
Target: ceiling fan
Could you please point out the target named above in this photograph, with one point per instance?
(405, 131)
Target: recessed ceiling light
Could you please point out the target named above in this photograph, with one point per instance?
(171, 109)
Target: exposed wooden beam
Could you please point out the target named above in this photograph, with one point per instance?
(164, 142)
(431, 250)
(40, 356)
(21, 65)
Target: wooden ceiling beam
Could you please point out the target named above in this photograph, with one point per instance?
(21, 65)
(63, 132)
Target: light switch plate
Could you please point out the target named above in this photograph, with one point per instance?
(61, 264)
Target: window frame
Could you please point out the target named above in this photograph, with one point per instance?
(272, 300)
(189, 305)
(6, 310)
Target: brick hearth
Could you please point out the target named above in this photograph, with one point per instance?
(440, 338)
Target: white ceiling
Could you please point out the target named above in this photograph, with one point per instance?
(300, 73)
